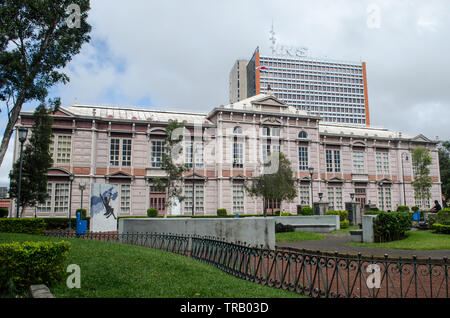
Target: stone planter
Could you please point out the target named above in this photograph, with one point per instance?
(356, 235)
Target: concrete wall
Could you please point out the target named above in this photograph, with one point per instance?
(253, 231)
(367, 227)
(310, 220)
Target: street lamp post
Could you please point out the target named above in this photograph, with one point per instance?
(82, 187)
(403, 175)
(71, 177)
(382, 195)
(311, 173)
(22, 137)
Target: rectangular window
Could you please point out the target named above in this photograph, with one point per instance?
(238, 198)
(46, 207)
(157, 153)
(61, 198)
(422, 203)
(199, 198)
(335, 198)
(198, 154)
(120, 152)
(125, 198)
(382, 159)
(269, 149)
(238, 155)
(384, 198)
(114, 152)
(333, 159)
(304, 195)
(126, 152)
(329, 160)
(359, 162)
(63, 149)
(303, 158)
(337, 160)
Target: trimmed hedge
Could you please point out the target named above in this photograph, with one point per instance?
(26, 226)
(29, 263)
(403, 208)
(222, 212)
(391, 226)
(152, 213)
(345, 224)
(343, 215)
(441, 228)
(372, 212)
(281, 228)
(307, 211)
(286, 214)
(83, 213)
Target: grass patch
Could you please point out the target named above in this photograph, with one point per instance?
(415, 240)
(297, 236)
(347, 230)
(111, 270)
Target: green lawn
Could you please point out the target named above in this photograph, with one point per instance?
(297, 236)
(111, 270)
(347, 230)
(416, 240)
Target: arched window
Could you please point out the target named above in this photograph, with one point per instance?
(237, 130)
(302, 135)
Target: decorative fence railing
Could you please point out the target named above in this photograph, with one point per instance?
(305, 272)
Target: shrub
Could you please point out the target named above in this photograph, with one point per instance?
(59, 223)
(3, 212)
(222, 212)
(403, 208)
(30, 263)
(152, 213)
(345, 224)
(281, 228)
(277, 213)
(441, 228)
(307, 211)
(391, 226)
(415, 209)
(443, 216)
(286, 214)
(27, 226)
(343, 215)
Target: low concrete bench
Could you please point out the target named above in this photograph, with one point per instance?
(356, 235)
(314, 228)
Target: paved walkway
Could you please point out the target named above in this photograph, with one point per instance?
(337, 242)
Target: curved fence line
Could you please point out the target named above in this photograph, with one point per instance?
(310, 273)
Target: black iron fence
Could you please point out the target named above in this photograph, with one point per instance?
(314, 274)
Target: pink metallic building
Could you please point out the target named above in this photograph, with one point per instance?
(224, 148)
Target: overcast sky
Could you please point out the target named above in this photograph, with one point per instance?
(178, 54)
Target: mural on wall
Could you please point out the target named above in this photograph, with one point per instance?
(104, 202)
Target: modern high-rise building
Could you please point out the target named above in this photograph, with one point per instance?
(335, 90)
(238, 81)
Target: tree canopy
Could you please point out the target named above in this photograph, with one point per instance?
(444, 167)
(421, 159)
(37, 40)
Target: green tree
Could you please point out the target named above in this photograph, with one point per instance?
(172, 164)
(37, 40)
(36, 160)
(276, 185)
(444, 167)
(421, 159)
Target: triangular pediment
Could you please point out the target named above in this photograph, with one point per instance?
(269, 101)
(336, 179)
(62, 112)
(120, 175)
(239, 177)
(421, 138)
(195, 176)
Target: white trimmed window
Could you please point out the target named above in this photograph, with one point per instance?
(333, 160)
(46, 207)
(422, 203)
(63, 146)
(199, 198)
(335, 198)
(61, 203)
(304, 194)
(238, 155)
(359, 162)
(157, 153)
(269, 149)
(384, 198)
(238, 198)
(198, 154)
(303, 163)
(382, 159)
(120, 152)
(125, 198)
